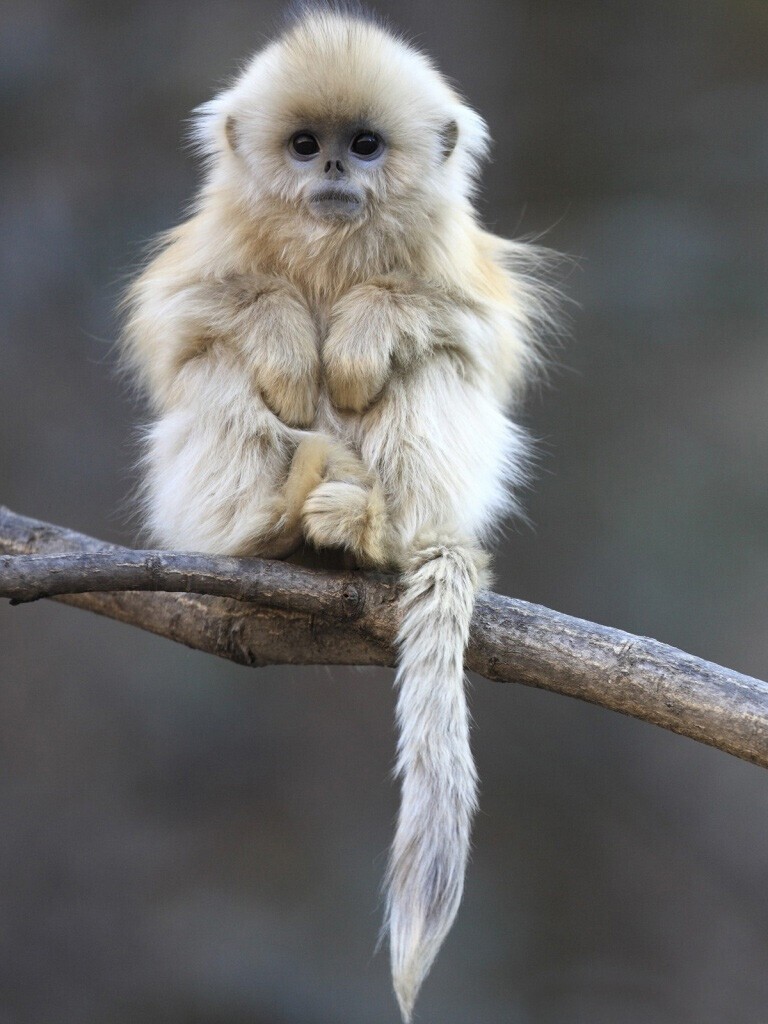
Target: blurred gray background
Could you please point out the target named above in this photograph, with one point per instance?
(187, 842)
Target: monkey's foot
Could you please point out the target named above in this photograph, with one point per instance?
(341, 514)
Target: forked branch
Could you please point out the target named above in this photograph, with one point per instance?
(267, 612)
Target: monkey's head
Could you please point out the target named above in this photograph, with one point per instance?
(339, 122)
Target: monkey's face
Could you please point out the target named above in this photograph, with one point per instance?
(336, 168)
(320, 161)
(339, 124)
(338, 163)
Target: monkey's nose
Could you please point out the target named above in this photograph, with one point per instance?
(334, 169)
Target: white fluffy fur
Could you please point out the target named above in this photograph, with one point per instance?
(343, 383)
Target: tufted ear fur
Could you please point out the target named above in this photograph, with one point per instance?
(230, 130)
(449, 135)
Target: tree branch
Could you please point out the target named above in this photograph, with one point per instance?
(306, 616)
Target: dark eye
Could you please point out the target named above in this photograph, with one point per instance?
(304, 145)
(366, 145)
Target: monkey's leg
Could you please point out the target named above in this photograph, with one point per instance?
(220, 473)
(444, 451)
(262, 321)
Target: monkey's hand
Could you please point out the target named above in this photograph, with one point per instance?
(346, 507)
(280, 341)
(357, 353)
(385, 324)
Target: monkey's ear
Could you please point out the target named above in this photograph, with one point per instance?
(230, 130)
(449, 135)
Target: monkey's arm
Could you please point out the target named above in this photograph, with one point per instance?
(431, 376)
(386, 325)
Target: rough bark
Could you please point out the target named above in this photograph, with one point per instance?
(276, 613)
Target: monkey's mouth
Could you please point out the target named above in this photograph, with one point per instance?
(336, 203)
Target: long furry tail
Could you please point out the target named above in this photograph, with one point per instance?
(425, 879)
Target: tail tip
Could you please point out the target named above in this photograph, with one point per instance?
(407, 978)
(406, 994)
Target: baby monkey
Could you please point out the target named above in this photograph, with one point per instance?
(329, 345)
